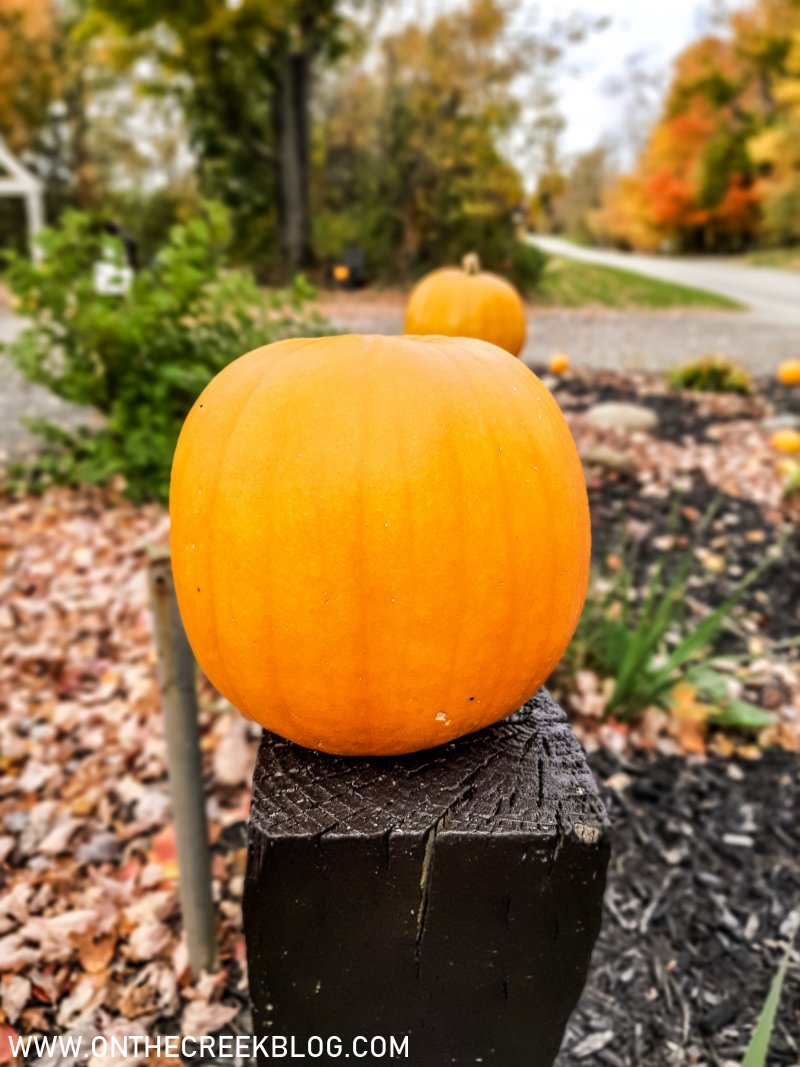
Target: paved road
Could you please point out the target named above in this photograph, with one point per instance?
(622, 340)
(20, 400)
(770, 295)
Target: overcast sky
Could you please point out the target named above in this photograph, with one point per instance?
(655, 30)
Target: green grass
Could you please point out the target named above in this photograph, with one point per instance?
(784, 258)
(758, 1049)
(571, 283)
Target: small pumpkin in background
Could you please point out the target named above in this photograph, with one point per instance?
(789, 372)
(379, 543)
(468, 302)
(559, 363)
(787, 441)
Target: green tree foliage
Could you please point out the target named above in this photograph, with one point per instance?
(72, 118)
(242, 72)
(412, 147)
(139, 359)
(770, 34)
(407, 160)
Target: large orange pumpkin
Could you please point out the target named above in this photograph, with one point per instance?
(468, 303)
(379, 543)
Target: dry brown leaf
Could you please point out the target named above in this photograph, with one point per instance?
(153, 989)
(148, 940)
(15, 954)
(201, 1018)
(14, 994)
(95, 955)
(82, 1001)
(234, 756)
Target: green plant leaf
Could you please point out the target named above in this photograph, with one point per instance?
(710, 684)
(698, 638)
(756, 1055)
(743, 715)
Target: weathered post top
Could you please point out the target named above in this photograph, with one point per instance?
(452, 896)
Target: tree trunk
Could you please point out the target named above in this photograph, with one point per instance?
(291, 138)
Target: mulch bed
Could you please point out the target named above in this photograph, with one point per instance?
(682, 415)
(739, 532)
(704, 484)
(705, 871)
(703, 882)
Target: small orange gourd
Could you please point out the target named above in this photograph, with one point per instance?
(468, 303)
(789, 372)
(559, 363)
(786, 440)
(379, 543)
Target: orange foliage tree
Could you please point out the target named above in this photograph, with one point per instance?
(695, 185)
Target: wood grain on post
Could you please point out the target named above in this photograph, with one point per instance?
(176, 672)
(452, 895)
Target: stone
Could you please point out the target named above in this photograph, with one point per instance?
(619, 415)
(785, 421)
(608, 458)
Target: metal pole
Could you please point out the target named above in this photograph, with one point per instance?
(176, 672)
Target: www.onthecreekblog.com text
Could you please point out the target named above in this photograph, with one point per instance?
(221, 1046)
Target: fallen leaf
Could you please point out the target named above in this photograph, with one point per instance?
(234, 756)
(164, 851)
(149, 940)
(81, 1002)
(15, 954)
(201, 1018)
(7, 1035)
(14, 993)
(95, 955)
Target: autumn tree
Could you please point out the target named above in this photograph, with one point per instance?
(28, 74)
(43, 100)
(693, 185)
(721, 165)
(242, 72)
(409, 157)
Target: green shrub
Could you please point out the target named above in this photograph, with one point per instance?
(791, 479)
(711, 374)
(149, 216)
(525, 265)
(781, 213)
(142, 358)
(372, 228)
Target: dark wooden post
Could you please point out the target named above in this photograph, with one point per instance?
(452, 896)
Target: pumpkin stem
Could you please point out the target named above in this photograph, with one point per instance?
(471, 263)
